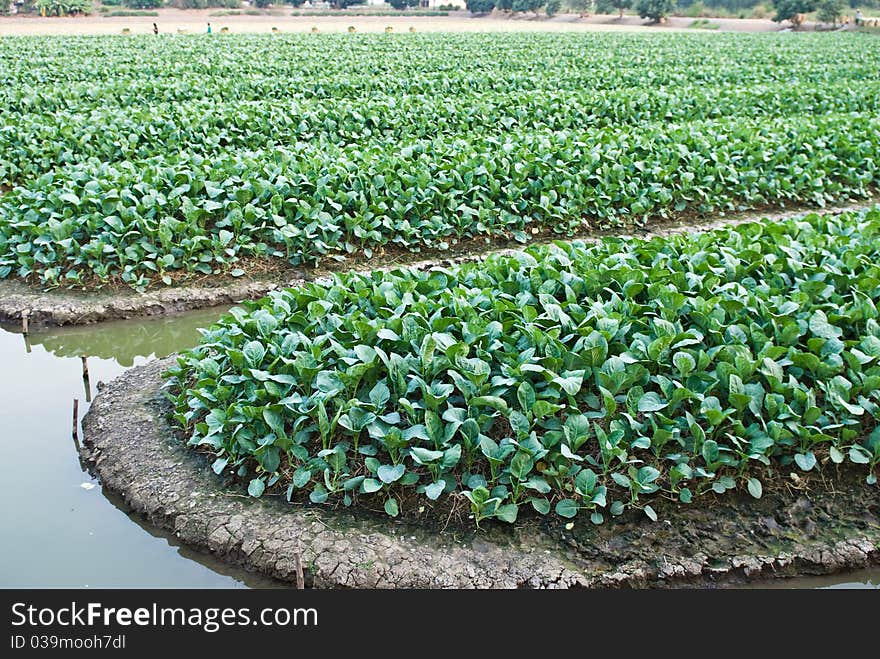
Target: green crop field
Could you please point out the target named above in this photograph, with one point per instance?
(568, 377)
(144, 160)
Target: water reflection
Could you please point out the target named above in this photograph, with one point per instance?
(125, 341)
(57, 527)
(868, 578)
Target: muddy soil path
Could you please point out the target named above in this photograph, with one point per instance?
(823, 525)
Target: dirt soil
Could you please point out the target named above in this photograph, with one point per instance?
(59, 306)
(67, 307)
(194, 21)
(823, 525)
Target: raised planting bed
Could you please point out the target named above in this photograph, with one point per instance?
(48, 306)
(571, 380)
(819, 524)
(689, 409)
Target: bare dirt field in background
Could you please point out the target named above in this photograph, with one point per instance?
(174, 21)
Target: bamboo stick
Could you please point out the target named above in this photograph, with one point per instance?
(86, 384)
(75, 420)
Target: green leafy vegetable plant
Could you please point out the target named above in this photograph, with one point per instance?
(148, 161)
(583, 379)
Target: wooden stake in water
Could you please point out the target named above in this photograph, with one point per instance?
(75, 420)
(24, 323)
(86, 384)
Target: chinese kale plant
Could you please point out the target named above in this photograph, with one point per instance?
(147, 161)
(575, 378)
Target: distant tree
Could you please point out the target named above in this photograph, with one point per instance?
(620, 5)
(143, 4)
(552, 7)
(656, 10)
(403, 4)
(262, 4)
(479, 6)
(526, 5)
(830, 11)
(504, 5)
(787, 10)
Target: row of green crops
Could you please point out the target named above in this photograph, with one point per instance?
(143, 159)
(36, 140)
(571, 378)
(198, 214)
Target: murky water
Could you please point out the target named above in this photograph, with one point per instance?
(58, 528)
(869, 578)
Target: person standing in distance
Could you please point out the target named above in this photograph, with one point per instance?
(155, 29)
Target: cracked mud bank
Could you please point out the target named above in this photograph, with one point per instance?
(67, 307)
(826, 525)
(61, 306)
